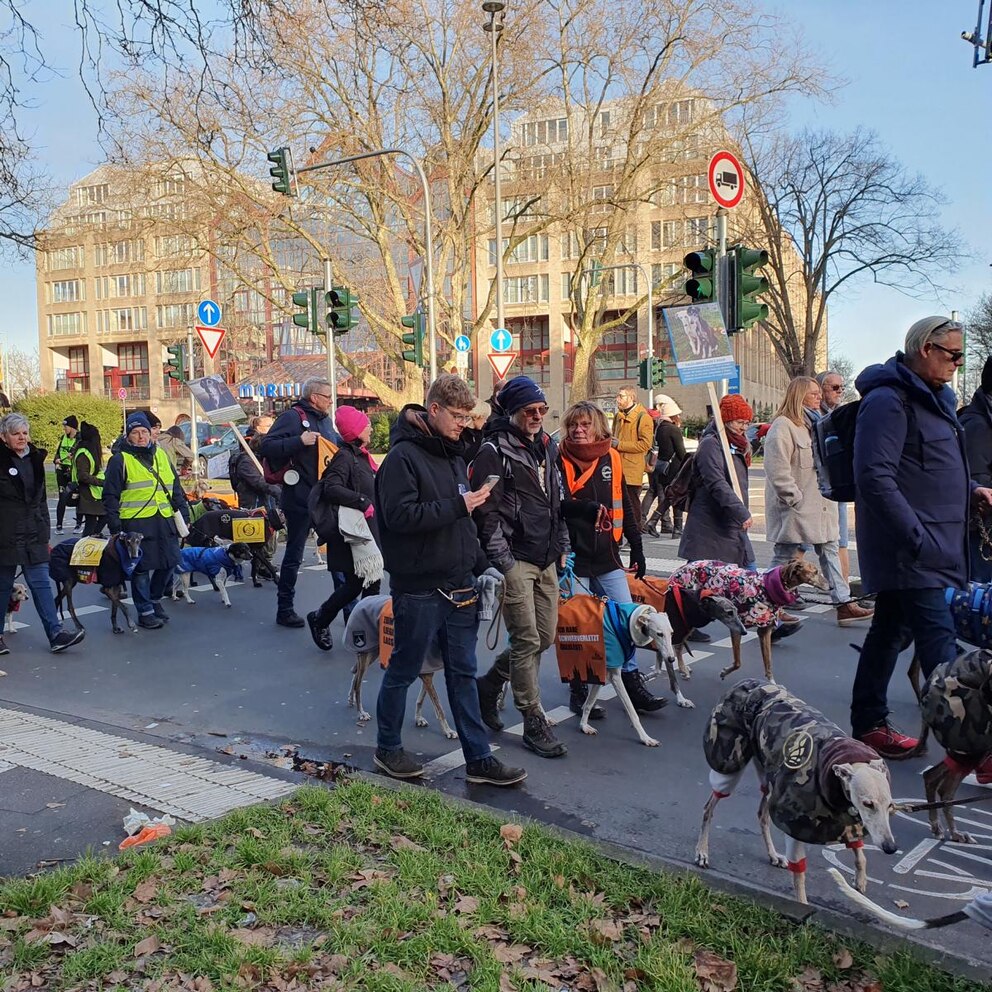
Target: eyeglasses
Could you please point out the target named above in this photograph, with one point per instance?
(323, 396)
(535, 411)
(954, 356)
(835, 389)
(459, 418)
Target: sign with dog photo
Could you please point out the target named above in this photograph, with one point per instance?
(251, 530)
(700, 343)
(88, 552)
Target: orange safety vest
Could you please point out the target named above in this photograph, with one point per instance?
(575, 483)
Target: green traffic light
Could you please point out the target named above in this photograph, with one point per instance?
(280, 170)
(745, 308)
(415, 339)
(701, 288)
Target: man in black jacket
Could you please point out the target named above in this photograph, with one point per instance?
(292, 443)
(432, 553)
(523, 532)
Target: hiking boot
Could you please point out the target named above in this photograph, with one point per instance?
(159, 611)
(539, 737)
(321, 635)
(642, 698)
(290, 619)
(889, 743)
(3, 647)
(849, 614)
(578, 691)
(489, 701)
(699, 637)
(149, 621)
(983, 773)
(398, 764)
(491, 771)
(66, 639)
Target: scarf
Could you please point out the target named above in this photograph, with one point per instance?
(741, 443)
(775, 589)
(128, 564)
(585, 453)
(365, 451)
(365, 555)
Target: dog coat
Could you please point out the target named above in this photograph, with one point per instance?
(758, 596)
(796, 748)
(971, 610)
(370, 628)
(593, 637)
(957, 705)
(207, 561)
(115, 568)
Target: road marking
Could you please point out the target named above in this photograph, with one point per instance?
(818, 608)
(449, 762)
(728, 642)
(187, 787)
(910, 860)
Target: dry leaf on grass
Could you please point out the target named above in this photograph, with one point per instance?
(511, 834)
(511, 953)
(400, 843)
(605, 931)
(715, 974)
(809, 981)
(147, 946)
(467, 904)
(843, 959)
(146, 890)
(260, 937)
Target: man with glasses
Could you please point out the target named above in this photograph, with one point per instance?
(292, 444)
(913, 501)
(524, 535)
(432, 553)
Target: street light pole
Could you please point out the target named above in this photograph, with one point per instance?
(494, 27)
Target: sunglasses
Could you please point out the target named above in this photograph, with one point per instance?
(954, 356)
(535, 411)
(834, 389)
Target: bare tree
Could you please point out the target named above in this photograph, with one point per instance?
(21, 373)
(834, 210)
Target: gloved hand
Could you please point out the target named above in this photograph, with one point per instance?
(369, 511)
(493, 573)
(638, 564)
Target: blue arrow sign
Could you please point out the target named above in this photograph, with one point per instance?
(501, 339)
(208, 313)
(462, 343)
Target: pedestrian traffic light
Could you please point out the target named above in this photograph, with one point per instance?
(651, 373)
(307, 317)
(702, 286)
(415, 339)
(341, 303)
(175, 367)
(282, 167)
(747, 285)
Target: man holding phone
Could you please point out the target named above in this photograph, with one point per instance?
(525, 537)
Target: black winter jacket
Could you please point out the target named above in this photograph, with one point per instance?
(522, 519)
(976, 419)
(249, 485)
(348, 481)
(428, 538)
(25, 526)
(671, 449)
(282, 446)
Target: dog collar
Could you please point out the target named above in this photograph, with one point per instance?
(776, 591)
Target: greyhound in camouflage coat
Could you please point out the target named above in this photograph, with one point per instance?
(818, 786)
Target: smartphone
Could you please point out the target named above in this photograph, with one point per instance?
(491, 481)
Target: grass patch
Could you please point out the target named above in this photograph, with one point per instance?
(358, 888)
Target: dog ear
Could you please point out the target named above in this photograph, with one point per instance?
(878, 765)
(844, 772)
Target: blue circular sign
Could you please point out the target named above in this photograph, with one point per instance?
(501, 339)
(208, 313)
(462, 343)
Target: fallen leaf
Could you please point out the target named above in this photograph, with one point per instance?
(255, 832)
(54, 805)
(467, 904)
(843, 959)
(605, 931)
(715, 974)
(400, 843)
(510, 953)
(901, 903)
(82, 890)
(147, 890)
(58, 939)
(511, 834)
(260, 937)
(147, 946)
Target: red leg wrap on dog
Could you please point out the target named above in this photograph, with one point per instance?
(962, 768)
(854, 845)
(721, 795)
(798, 867)
(764, 790)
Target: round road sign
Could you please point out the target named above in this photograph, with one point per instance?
(122, 393)
(726, 177)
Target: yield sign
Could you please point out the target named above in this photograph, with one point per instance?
(501, 362)
(211, 338)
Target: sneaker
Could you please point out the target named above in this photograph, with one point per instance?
(58, 530)
(489, 702)
(398, 764)
(578, 691)
(159, 611)
(540, 738)
(983, 773)
(78, 529)
(321, 635)
(3, 647)
(849, 614)
(643, 699)
(65, 639)
(149, 621)
(889, 743)
(491, 771)
(700, 637)
(290, 619)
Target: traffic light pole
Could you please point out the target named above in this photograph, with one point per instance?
(332, 358)
(194, 440)
(428, 238)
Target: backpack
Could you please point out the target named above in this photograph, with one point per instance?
(679, 491)
(274, 476)
(833, 450)
(323, 515)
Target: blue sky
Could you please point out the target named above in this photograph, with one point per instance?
(909, 77)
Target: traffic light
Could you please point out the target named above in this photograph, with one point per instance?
(747, 285)
(282, 167)
(418, 330)
(651, 373)
(175, 367)
(341, 302)
(701, 288)
(307, 317)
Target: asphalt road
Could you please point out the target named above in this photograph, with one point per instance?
(223, 683)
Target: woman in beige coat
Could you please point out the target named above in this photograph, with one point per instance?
(798, 517)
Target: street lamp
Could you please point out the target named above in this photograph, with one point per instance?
(495, 8)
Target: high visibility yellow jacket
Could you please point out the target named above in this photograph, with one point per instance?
(143, 495)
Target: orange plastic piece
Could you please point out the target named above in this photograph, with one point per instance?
(146, 835)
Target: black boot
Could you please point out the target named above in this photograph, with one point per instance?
(578, 691)
(539, 737)
(640, 696)
(490, 686)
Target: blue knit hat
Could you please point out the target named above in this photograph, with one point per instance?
(519, 392)
(137, 419)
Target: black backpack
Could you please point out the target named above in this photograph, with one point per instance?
(833, 448)
(679, 491)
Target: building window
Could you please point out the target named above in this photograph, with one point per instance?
(87, 196)
(623, 282)
(628, 243)
(66, 324)
(671, 233)
(616, 357)
(665, 276)
(172, 186)
(679, 112)
(570, 247)
(518, 208)
(174, 315)
(132, 357)
(78, 374)
(697, 229)
(532, 249)
(566, 286)
(65, 258)
(171, 245)
(602, 197)
(120, 319)
(547, 132)
(526, 289)
(66, 291)
(177, 280)
(656, 235)
(114, 287)
(94, 218)
(697, 189)
(118, 252)
(603, 124)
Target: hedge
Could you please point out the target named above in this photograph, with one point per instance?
(45, 413)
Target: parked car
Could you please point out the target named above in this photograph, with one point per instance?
(227, 442)
(206, 433)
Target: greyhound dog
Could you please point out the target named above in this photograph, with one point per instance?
(18, 595)
(818, 786)
(216, 525)
(117, 564)
(758, 597)
(362, 636)
(215, 563)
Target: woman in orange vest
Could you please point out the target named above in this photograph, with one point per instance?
(599, 515)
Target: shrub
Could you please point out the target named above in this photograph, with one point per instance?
(45, 413)
(381, 424)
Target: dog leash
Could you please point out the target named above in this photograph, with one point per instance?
(941, 804)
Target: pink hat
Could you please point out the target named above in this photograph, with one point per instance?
(350, 422)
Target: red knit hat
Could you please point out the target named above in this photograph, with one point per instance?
(735, 407)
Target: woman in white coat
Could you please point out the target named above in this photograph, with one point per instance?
(797, 516)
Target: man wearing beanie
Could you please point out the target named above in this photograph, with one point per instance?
(292, 444)
(524, 535)
(976, 419)
(431, 550)
(633, 435)
(64, 455)
(913, 497)
(141, 492)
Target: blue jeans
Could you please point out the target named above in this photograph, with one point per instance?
(901, 616)
(613, 585)
(297, 531)
(148, 588)
(40, 584)
(419, 618)
(842, 524)
(840, 591)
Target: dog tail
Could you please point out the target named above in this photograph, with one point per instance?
(903, 922)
